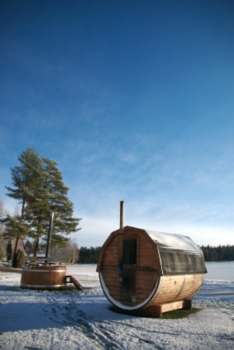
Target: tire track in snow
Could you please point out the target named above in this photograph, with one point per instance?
(100, 337)
(73, 316)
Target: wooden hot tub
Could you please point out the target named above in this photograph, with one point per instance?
(43, 276)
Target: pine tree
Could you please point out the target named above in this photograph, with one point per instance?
(52, 198)
(26, 181)
(40, 190)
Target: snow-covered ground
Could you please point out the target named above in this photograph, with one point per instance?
(70, 319)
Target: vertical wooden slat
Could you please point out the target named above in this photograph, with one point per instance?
(43, 277)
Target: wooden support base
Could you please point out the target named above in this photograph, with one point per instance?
(156, 311)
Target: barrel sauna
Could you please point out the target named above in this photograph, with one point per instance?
(141, 270)
(43, 276)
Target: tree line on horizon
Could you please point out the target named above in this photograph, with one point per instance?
(89, 255)
(71, 254)
(220, 253)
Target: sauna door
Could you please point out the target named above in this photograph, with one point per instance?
(128, 287)
(128, 284)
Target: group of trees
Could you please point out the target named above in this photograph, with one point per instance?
(89, 255)
(68, 254)
(220, 253)
(39, 189)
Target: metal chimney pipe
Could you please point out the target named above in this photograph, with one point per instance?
(121, 215)
(121, 241)
(49, 235)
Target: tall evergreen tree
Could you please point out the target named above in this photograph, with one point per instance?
(52, 198)
(26, 181)
(39, 187)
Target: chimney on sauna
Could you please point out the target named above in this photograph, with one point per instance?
(121, 216)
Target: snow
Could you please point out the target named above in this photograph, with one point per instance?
(70, 319)
(174, 241)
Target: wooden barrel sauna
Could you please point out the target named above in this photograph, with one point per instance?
(139, 269)
(43, 276)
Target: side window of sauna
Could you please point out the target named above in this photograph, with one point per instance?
(129, 251)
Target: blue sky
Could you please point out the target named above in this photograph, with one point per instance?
(134, 100)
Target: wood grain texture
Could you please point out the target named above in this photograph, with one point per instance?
(140, 277)
(138, 281)
(43, 277)
(156, 311)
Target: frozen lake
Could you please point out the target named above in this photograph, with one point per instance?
(220, 271)
(81, 268)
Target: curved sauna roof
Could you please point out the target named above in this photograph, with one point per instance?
(174, 241)
(179, 254)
